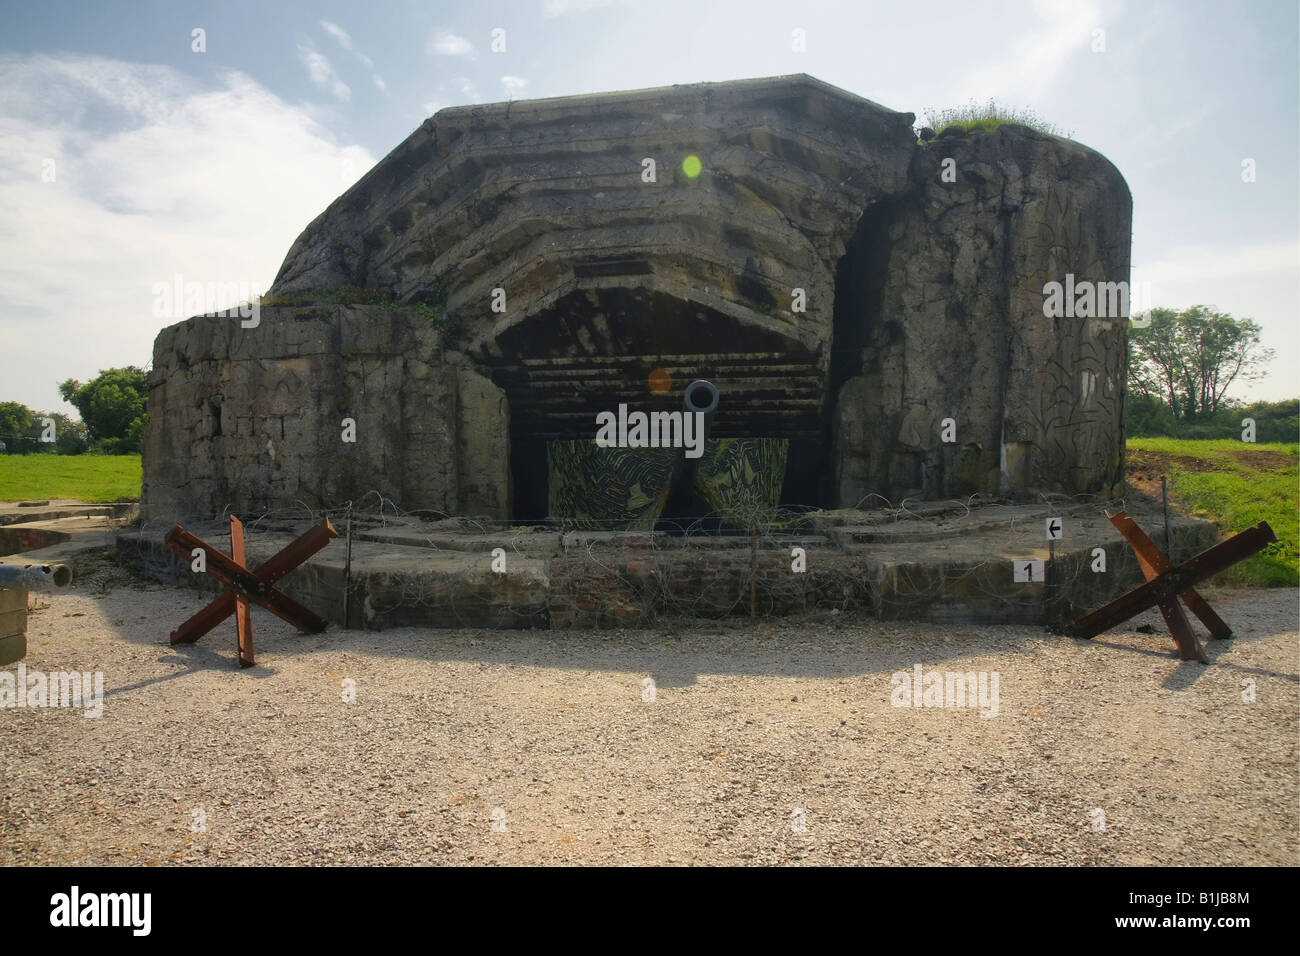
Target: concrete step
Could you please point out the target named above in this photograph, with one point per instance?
(415, 576)
(89, 530)
(13, 625)
(392, 585)
(13, 512)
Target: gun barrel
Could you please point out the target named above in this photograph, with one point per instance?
(700, 396)
(35, 577)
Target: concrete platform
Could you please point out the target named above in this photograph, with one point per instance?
(22, 512)
(47, 532)
(946, 562)
(57, 532)
(13, 625)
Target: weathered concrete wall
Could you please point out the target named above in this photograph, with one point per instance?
(959, 331)
(548, 201)
(924, 301)
(954, 570)
(252, 418)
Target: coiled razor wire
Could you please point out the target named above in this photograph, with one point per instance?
(710, 566)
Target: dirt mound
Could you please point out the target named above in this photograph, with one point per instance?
(1157, 463)
(1261, 460)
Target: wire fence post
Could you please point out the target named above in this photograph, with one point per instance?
(1164, 499)
(347, 572)
(1050, 584)
(753, 568)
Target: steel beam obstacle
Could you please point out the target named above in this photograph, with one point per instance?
(257, 586)
(1166, 585)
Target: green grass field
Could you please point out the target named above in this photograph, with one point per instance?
(1230, 482)
(1236, 485)
(84, 477)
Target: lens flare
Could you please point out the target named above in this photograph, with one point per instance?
(691, 166)
(660, 381)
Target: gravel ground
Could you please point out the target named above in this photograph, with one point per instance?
(771, 744)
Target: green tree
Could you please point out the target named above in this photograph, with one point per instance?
(112, 406)
(1149, 417)
(15, 427)
(1275, 421)
(69, 434)
(1189, 359)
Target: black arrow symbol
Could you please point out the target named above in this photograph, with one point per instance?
(1054, 527)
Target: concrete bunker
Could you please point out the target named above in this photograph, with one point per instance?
(876, 331)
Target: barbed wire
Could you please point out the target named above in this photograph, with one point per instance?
(714, 565)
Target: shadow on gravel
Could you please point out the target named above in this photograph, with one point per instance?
(1186, 673)
(673, 653)
(195, 660)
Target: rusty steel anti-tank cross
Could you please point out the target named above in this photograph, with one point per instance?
(257, 586)
(1166, 585)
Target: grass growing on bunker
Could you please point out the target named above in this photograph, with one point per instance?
(432, 307)
(988, 116)
(1235, 484)
(83, 477)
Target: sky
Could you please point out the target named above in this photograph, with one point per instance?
(134, 150)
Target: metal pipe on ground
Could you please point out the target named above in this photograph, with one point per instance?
(35, 577)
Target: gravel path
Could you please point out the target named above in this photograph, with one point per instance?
(768, 744)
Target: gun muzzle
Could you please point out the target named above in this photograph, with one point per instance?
(701, 396)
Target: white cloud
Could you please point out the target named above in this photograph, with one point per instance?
(154, 176)
(449, 44)
(1195, 265)
(513, 84)
(456, 91)
(1033, 61)
(338, 33)
(1256, 281)
(379, 83)
(558, 8)
(345, 41)
(467, 89)
(322, 73)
